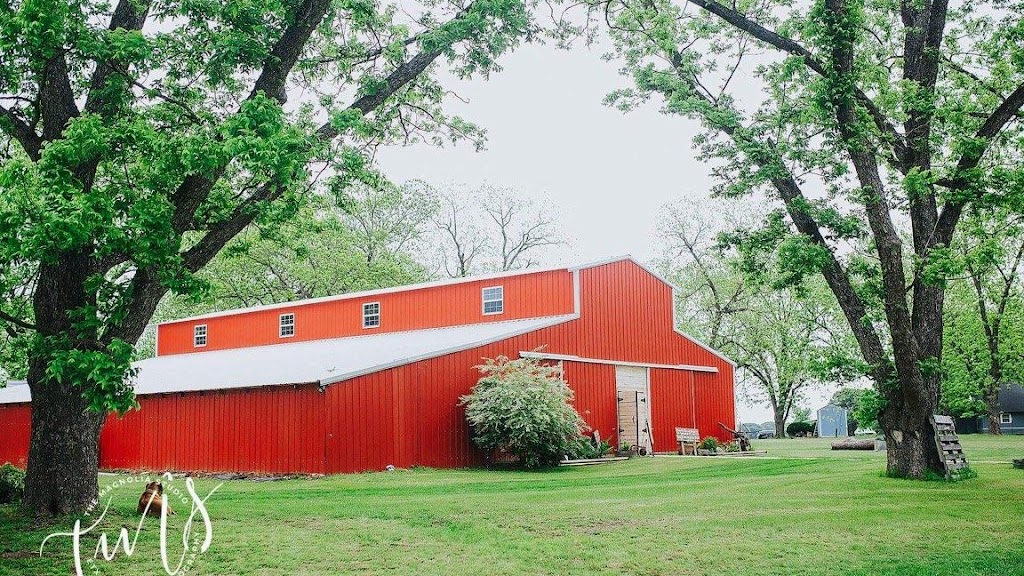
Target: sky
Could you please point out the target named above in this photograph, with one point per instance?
(606, 172)
(549, 136)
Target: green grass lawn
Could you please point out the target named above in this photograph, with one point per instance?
(803, 510)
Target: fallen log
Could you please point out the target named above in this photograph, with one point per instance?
(854, 444)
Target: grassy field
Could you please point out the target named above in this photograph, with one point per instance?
(803, 510)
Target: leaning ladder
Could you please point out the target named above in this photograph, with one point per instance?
(948, 442)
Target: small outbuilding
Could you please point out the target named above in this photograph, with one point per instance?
(832, 422)
(1011, 410)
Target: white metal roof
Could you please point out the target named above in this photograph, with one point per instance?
(322, 361)
(15, 391)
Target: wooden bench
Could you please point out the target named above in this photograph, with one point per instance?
(687, 439)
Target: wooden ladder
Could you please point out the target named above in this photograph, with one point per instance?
(950, 450)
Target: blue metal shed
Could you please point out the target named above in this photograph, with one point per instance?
(832, 422)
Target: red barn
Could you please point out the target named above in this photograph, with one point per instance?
(359, 381)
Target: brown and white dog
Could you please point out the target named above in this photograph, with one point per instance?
(154, 498)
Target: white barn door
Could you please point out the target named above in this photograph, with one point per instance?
(633, 397)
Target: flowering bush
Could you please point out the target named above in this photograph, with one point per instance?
(522, 407)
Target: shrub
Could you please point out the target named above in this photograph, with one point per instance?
(522, 407)
(12, 483)
(800, 428)
(709, 443)
(584, 448)
(869, 406)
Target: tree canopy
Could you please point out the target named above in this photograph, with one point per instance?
(139, 138)
(872, 127)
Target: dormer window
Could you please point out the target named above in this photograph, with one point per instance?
(371, 315)
(199, 336)
(286, 325)
(494, 300)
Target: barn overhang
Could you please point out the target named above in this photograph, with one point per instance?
(573, 358)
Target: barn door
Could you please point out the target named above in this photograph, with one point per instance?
(634, 408)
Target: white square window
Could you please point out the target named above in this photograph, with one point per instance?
(287, 325)
(1005, 418)
(371, 315)
(199, 336)
(494, 300)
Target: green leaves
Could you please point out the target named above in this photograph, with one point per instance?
(154, 149)
(523, 407)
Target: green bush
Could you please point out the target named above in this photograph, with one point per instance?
(584, 448)
(522, 407)
(12, 483)
(869, 406)
(709, 443)
(799, 428)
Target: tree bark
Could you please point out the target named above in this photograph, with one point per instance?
(909, 434)
(992, 405)
(63, 458)
(780, 425)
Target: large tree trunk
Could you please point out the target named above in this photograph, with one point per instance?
(909, 434)
(63, 457)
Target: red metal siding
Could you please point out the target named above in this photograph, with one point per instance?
(409, 415)
(528, 296)
(15, 428)
(594, 386)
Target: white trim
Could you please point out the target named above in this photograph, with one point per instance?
(281, 325)
(206, 335)
(156, 342)
(1009, 418)
(573, 358)
(365, 315)
(484, 300)
(576, 297)
(436, 353)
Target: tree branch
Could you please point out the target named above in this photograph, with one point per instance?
(970, 160)
(16, 321)
(20, 130)
(788, 45)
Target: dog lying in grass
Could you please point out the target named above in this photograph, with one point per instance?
(154, 498)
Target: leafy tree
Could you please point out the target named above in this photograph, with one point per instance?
(524, 407)
(850, 399)
(782, 338)
(142, 137)
(984, 317)
(857, 119)
(712, 289)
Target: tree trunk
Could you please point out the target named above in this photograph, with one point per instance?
(780, 425)
(909, 435)
(992, 405)
(63, 457)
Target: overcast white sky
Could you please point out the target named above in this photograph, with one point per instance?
(549, 135)
(607, 173)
